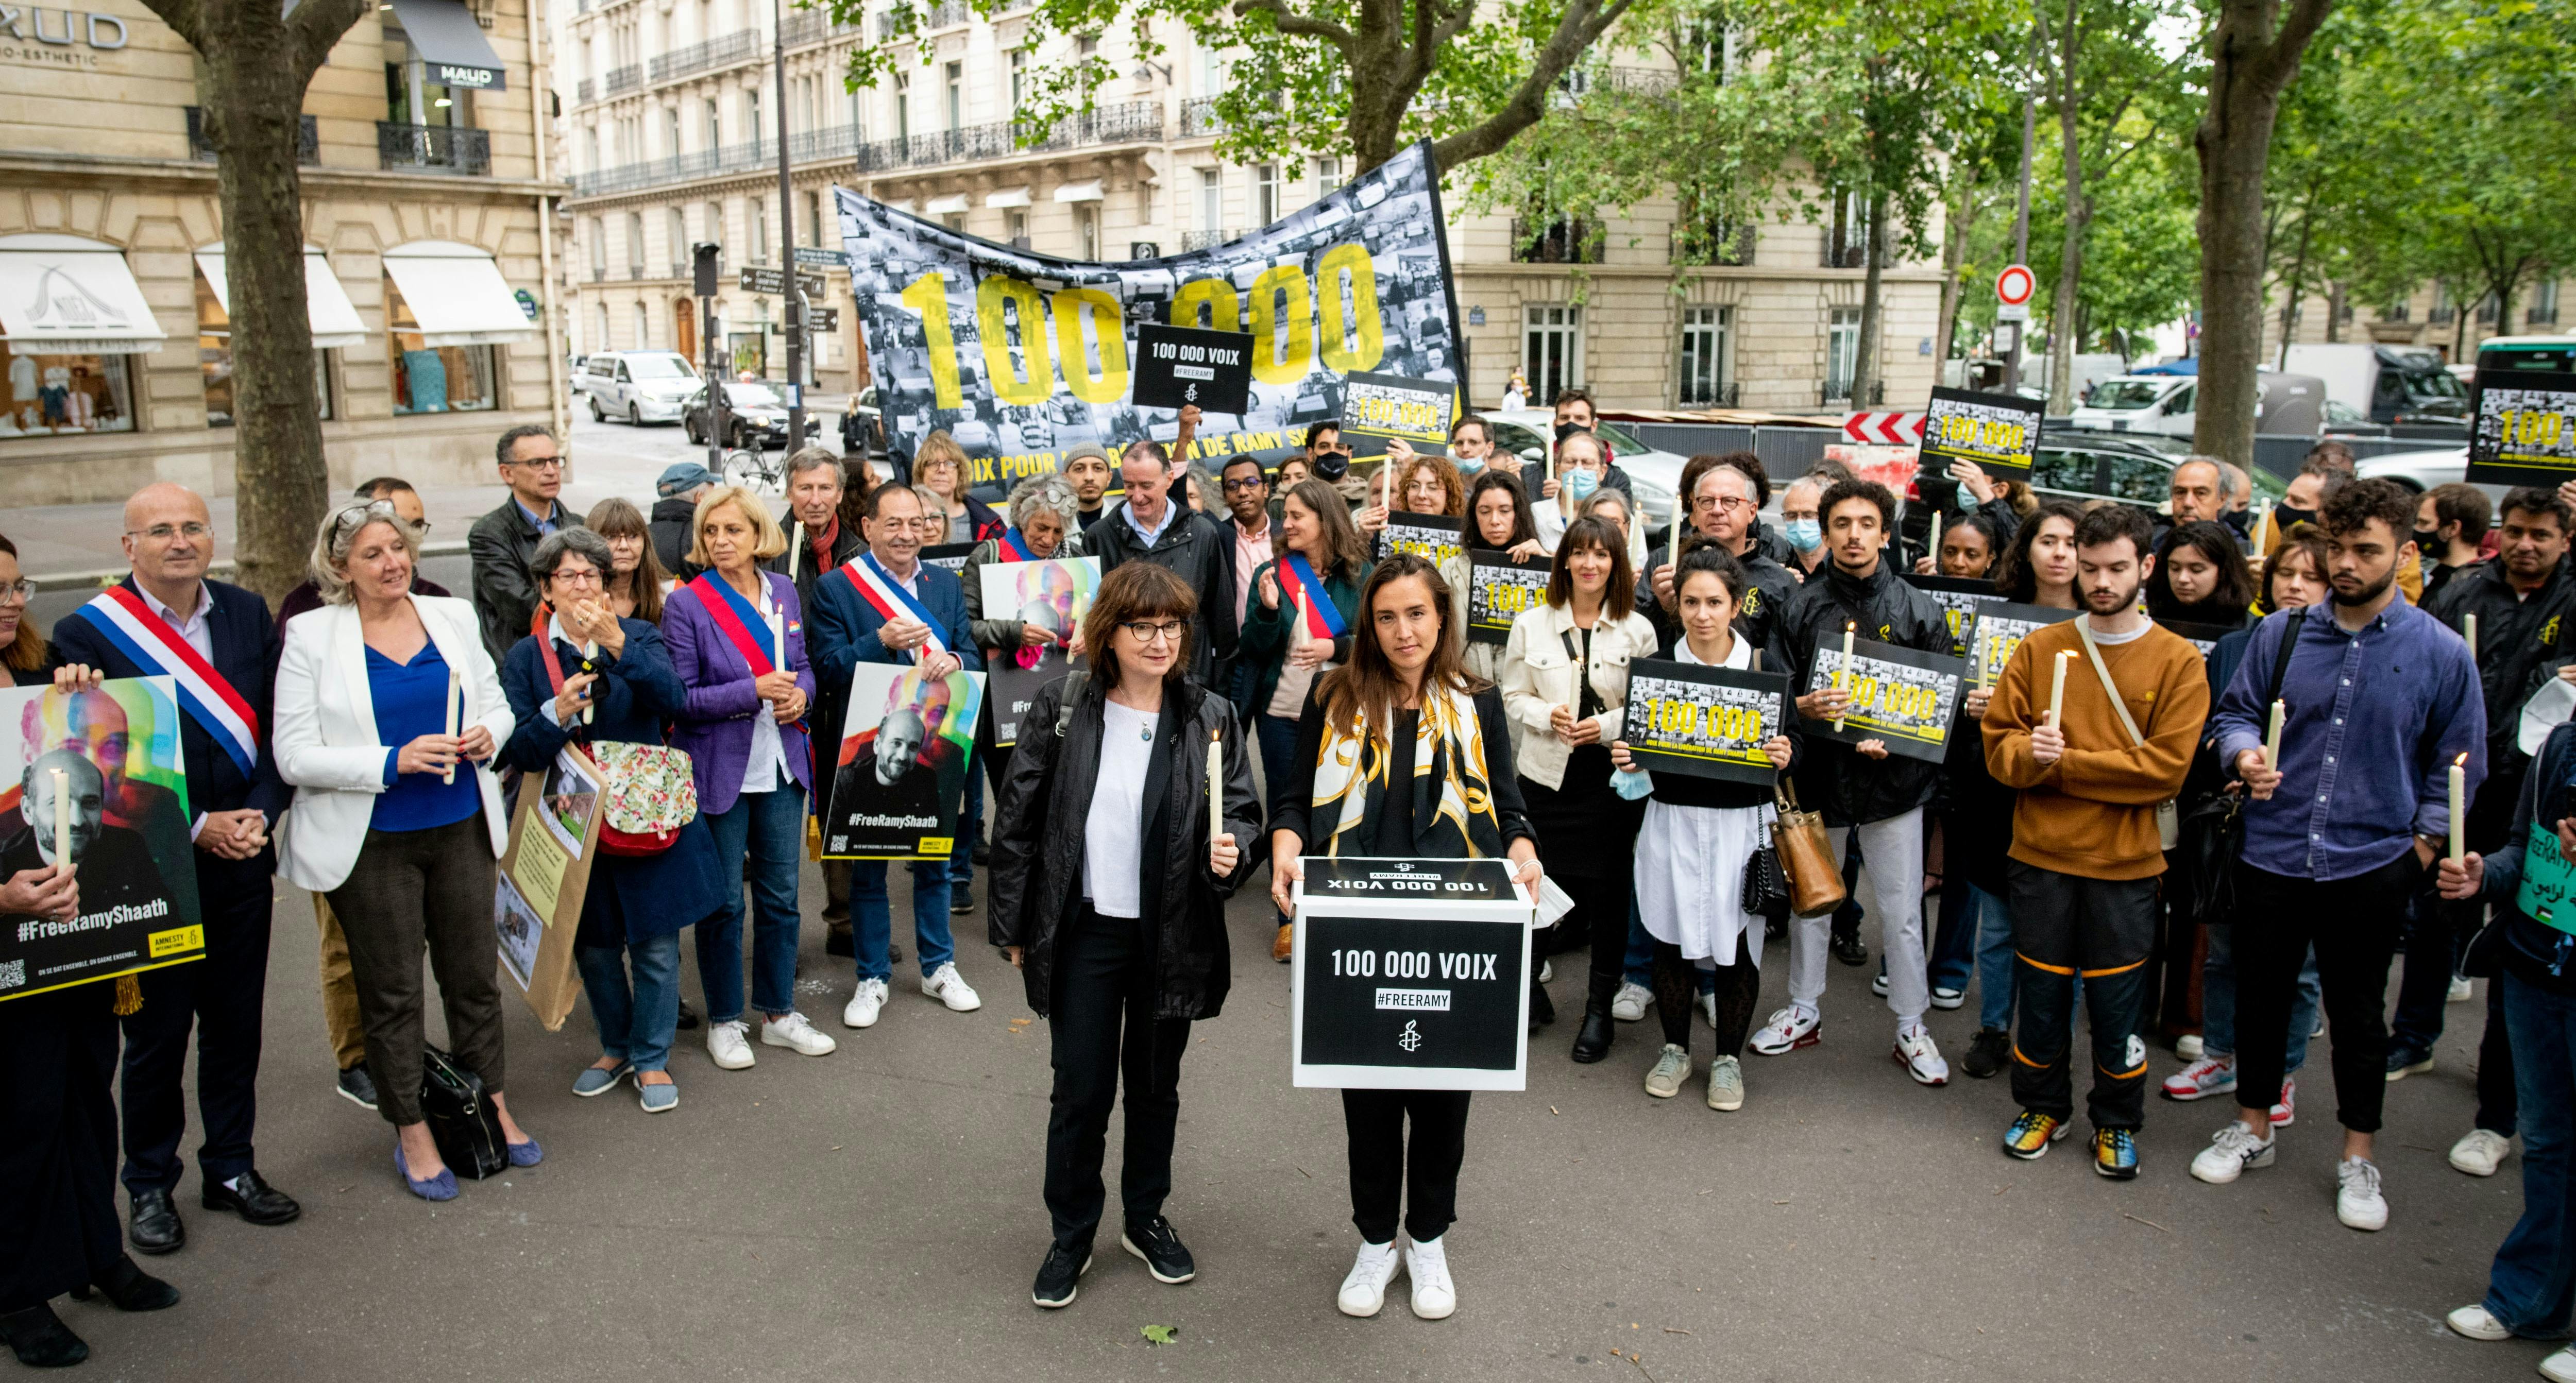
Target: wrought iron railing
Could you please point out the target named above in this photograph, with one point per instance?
(723, 51)
(434, 149)
(308, 139)
(1563, 240)
(1198, 117)
(618, 79)
(1205, 239)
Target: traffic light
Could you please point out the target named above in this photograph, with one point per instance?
(706, 254)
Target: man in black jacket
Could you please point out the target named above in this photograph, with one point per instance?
(1861, 789)
(682, 485)
(1149, 526)
(501, 542)
(1719, 506)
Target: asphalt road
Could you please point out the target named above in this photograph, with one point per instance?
(875, 1214)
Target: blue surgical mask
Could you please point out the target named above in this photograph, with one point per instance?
(1967, 499)
(1580, 484)
(1806, 535)
(1468, 465)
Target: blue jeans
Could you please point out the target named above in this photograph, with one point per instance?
(770, 828)
(634, 1025)
(872, 917)
(1277, 738)
(2218, 1001)
(970, 829)
(2533, 1283)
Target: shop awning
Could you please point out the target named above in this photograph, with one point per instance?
(445, 35)
(326, 304)
(1079, 191)
(457, 295)
(946, 206)
(62, 295)
(1007, 197)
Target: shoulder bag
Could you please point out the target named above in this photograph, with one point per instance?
(2168, 811)
(1765, 892)
(1806, 857)
(2213, 832)
(651, 793)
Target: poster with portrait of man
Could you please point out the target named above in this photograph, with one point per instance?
(95, 776)
(899, 783)
(1051, 596)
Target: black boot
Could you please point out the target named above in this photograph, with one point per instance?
(1593, 1042)
(1542, 1008)
(40, 1339)
(129, 1288)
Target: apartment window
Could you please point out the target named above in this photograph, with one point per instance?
(2543, 309)
(602, 343)
(755, 214)
(676, 227)
(715, 124)
(598, 249)
(1086, 230)
(812, 103)
(1847, 238)
(1842, 351)
(2443, 308)
(635, 241)
(590, 142)
(1087, 46)
(955, 220)
(643, 328)
(1211, 73)
(1328, 175)
(1019, 77)
(1552, 348)
(671, 131)
(2487, 308)
(1211, 200)
(1703, 362)
(814, 219)
(956, 95)
(1265, 193)
(751, 114)
(2396, 311)
(902, 105)
(1016, 222)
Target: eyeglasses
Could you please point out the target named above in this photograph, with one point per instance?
(1156, 631)
(164, 532)
(17, 592)
(1725, 503)
(575, 576)
(541, 463)
(1236, 487)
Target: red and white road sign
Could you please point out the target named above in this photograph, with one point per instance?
(2014, 285)
(1885, 429)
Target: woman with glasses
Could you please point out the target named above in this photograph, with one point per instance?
(1298, 625)
(585, 677)
(1109, 893)
(398, 820)
(1403, 710)
(940, 466)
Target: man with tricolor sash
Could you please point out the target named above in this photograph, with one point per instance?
(211, 639)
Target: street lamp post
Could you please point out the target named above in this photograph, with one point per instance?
(787, 241)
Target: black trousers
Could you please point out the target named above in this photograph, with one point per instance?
(2353, 924)
(220, 998)
(412, 891)
(2103, 932)
(58, 1225)
(1739, 989)
(1384, 1173)
(1104, 1027)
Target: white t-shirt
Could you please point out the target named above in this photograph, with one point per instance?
(766, 768)
(1112, 876)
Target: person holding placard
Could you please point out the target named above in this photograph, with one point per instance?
(1722, 508)
(1860, 789)
(1692, 848)
(637, 905)
(2331, 856)
(2091, 763)
(1438, 741)
(1110, 897)
(1498, 520)
(389, 719)
(1297, 626)
(1565, 686)
(1045, 520)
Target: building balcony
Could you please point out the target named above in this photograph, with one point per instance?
(1838, 393)
(947, 14)
(599, 273)
(741, 45)
(308, 139)
(1199, 117)
(812, 26)
(433, 149)
(619, 79)
(585, 91)
(1206, 239)
(1134, 122)
(1727, 395)
(1563, 240)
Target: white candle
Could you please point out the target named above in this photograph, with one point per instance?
(1216, 787)
(455, 711)
(2057, 689)
(2459, 807)
(2272, 741)
(589, 650)
(1842, 672)
(2469, 631)
(63, 820)
(1297, 640)
(1936, 541)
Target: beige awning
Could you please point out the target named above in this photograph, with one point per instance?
(327, 309)
(1079, 191)
(946, 206)
(457, 295)
(62, 295)
(1007, 197)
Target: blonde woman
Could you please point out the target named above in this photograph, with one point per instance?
(941, 467)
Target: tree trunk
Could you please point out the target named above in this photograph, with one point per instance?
(2065, 335)
(2251, 62)
(2297, 287)
(1866, 383)
(1954, 251)
(2334, 311)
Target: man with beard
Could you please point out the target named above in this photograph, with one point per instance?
(896, 778)
(114, 868)
(2380, 701)
(2086, 851)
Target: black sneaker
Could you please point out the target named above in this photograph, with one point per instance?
(1057, 1275)
(836, 940)
(1987, 1053)
(1847, 948)
(357, 1087)
(688, 1020)
(983, 851)
(960, 902)
(1165, 1256)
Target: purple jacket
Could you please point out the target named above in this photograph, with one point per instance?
(715, 729)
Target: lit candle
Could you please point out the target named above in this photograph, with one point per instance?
(2469, 631)
(455, 711)
(1842, 671)
(589, 650)
(2272, 741)
(2057, 688)
(2459, 809)
(63, 820)
(1216, 787)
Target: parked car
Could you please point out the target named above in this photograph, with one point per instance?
(2167, 404)
(2389, 384)
(2422, 470)
(755, 414)
(2082, 465)
(637, 386)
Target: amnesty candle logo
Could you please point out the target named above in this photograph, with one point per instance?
(1411, 1038)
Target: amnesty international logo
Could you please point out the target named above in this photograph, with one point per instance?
(2549, 632)
(1411, 1038)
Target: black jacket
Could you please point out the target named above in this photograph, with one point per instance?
(1192, 547)
(2518, 638)
(669, 524)
(1834, 778)
(1757, 615)
(501, 544)
(1038, 842)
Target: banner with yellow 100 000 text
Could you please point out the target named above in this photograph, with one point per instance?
(1024, 357)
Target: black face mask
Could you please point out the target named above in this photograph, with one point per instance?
(2284, 515)
(2428, 541)
(1565, 430)
(1332, 465)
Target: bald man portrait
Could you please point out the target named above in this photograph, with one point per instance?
(114, 868)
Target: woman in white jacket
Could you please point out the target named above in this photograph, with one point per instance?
(1564, 678)
(396, 819)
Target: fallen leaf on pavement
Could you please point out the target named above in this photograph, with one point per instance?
(1159, 1334)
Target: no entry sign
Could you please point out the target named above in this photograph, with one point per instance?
(2013, 288)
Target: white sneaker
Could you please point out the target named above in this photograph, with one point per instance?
(865, 1005)
(1789, 1029)
(1547, 972)
(2190, 1047)
(2229, 1154)
(2210, 1075)
(2459, 989)
(1364, 1291)
(2358, 1202)
(1434, 1296)
(1708, 1008)
(794, 1031)
(2287, 1111)
(2560, 1367)
(1631, 1003)
(729, 1045)
(1920, 1055)
(950, 988)
(1672, 1067)
(2478, 1323)
(2481, 1152)
(1726, 1083)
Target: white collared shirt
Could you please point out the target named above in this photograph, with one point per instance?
(192, 629)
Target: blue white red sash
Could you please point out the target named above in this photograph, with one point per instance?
(740, 620)
(892, 601)
(1015, 547)
(1323, 619)
(151, 644)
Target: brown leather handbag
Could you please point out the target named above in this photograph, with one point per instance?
(1815, 882)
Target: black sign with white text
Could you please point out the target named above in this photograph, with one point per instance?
(1180, 366)
(2522, 428)
(1899, 696)
(1431, 537)
(1378, 407)
(1409, 992)
(1708, 721)
(2000, 629)
(1498, 589)
(1998, 432)
(1960, 599)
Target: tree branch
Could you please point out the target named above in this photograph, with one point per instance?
(2279, 60)
(1574, 33)
(1298, 25)
(315, 27)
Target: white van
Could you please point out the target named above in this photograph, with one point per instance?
(2139, 403)
(638, 386)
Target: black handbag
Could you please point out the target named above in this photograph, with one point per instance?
(1766, 885)
(2213, 830)
(461, 1118)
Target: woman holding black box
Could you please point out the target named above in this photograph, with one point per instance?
(1402, 754)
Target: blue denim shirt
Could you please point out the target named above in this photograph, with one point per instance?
(2375, 719)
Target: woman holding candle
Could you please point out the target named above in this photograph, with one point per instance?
(382, 697)
(1403, 709)
(1112, 903)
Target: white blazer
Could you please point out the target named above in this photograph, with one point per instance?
(1537, 676)
(325, 737)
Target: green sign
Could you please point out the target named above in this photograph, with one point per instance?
(2546, 881)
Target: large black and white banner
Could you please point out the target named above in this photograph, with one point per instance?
(1022, 357)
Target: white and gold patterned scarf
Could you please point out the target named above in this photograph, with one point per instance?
(1453, 803)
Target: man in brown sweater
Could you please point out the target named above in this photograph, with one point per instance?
(2086, 851)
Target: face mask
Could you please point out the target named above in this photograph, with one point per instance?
(2284, 515)
(1967, 499)
(1468, 465)
(1806, 535)
(1332, 465)
(1565, 430)
(2428, 541)
(1581, 484)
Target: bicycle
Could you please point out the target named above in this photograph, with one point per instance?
(753, 469)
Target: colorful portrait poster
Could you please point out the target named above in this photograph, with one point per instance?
(1052, 595)
(900, 781)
